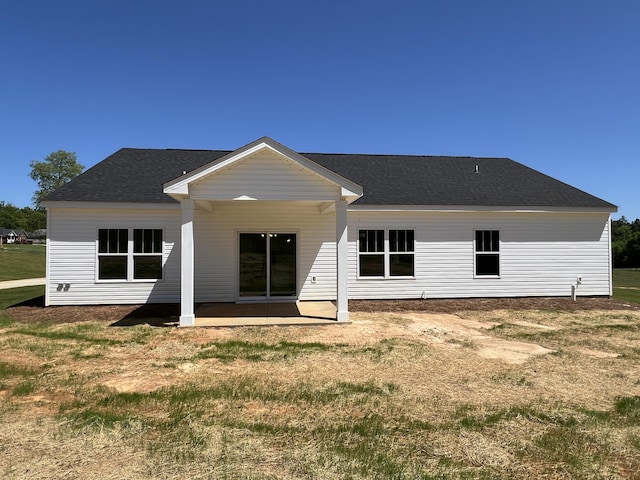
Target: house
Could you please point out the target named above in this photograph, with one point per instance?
(21, 236)
(6, 234)
(266, 223)
(12, 235)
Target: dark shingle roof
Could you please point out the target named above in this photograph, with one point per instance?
(138, 175)
(133, 175)
(8, 231)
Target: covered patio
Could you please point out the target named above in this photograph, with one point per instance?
(263, 314)
(238, 227)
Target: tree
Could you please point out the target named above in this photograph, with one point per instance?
(54, 171)
(625, 243)
(9, 215)
(25, 218)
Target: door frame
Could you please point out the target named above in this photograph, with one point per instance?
(268, 298)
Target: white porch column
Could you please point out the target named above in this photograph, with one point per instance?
(342, 304)
(187, 316)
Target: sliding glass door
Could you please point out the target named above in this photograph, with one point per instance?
(267, 265)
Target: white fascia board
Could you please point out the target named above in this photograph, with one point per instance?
(116, 205)
(476, 208)
(180, 185)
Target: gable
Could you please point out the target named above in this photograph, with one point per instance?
(264, 175)
(263, 170)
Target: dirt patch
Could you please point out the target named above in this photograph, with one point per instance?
(597, 353)
(139, 381)
(454, 330)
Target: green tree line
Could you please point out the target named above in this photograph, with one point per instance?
(26, 218)
(625, 243)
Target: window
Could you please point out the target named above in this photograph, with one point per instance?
(401, 253)
(371, 245)
(391, 258)
(112, 253)
(119, 258)
(147, 253)
(487, 251)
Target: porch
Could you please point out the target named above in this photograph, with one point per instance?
(264, 314)
(242, 202)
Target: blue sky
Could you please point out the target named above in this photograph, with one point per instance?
(552, 84)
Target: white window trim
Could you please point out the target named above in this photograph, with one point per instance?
(476, 253)
(386, 254)
(130, 256)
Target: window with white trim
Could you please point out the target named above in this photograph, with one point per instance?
(126, 257)
(113, 247)
(487, 253)
(386, 256)
(401, 254)
(371, 248)
(147, 254)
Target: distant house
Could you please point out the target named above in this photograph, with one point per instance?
(5, 234)
(21, 236)
(12, 235)
(38, 234)
(266, 223)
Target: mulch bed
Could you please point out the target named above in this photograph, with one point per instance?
(167, 314)
(487, 304)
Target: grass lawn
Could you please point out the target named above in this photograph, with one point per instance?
(22, 261)
(15, 296)
(391, 396)
(626, 284)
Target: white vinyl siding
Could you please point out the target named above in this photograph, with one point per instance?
(72, 257)
(541, 254)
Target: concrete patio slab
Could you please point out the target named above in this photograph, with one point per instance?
(261, 314)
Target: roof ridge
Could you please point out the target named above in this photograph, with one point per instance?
(405, 155)
(195, 150)
(174, 149)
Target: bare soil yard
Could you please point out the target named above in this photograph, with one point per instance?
(529, 388)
